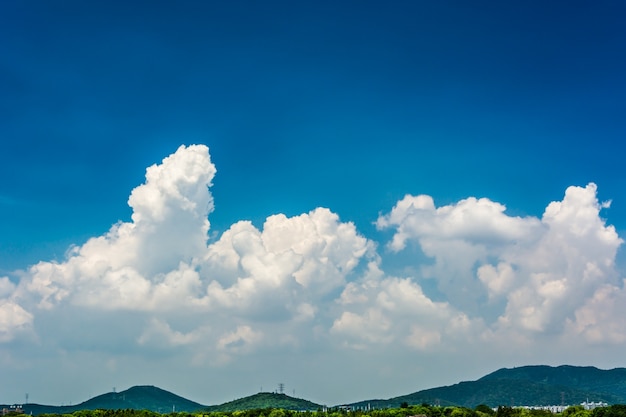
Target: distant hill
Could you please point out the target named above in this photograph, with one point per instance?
(527, 385)
(138, 398)
(161, 401)
(266, 400)
(143, 397)
(587, 378)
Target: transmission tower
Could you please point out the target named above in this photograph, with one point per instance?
(281, 388)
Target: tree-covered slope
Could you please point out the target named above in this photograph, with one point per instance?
(506, 392)
(588, 378)
(144, 397)
(266, 400)
(528, 385)
(136, 398)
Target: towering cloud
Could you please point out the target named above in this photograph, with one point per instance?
(135, 263)
(543, 269)
(293, 260)
(161, 267)
(155, 287)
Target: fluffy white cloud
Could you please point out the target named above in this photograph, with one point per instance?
(291, 263)
(161, 267)
(571, 262)
(543, 269)
(160, 333)
(156, 287)
(6, 287)
(480, 221)
(498, 279)
(132, 265)
(386, 310)
(599, 320)
(240, 339)
(13, 320)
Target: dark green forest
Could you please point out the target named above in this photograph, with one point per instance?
(405, 410)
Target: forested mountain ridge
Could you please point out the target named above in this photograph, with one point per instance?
(142, 397)
(589, 378)
(266, 400)
(526, 385)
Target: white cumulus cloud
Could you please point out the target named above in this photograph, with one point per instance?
(291, 261)
(312, 284)
(544, 269)
(13, 320)
(385, 310)
(184, 291)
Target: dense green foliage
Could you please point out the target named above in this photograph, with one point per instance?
(504, 392)
(585, 378)
(423, 410)
(266, 400)
(142, 397)
(527, 385)
(138, 398)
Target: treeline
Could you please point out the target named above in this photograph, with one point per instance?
(404, 411)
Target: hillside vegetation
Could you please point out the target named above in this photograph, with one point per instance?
(527, 385)
(143, 397)
(405, 411)
(586, 378)
(266, 400)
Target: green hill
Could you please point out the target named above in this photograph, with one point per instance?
(266, 400)
(138, 398)
(144, 397)
(528, 385)
(587, 378)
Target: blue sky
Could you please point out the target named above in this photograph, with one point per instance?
(347, 106)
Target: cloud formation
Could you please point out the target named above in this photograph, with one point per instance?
(544, 270)
(161, 266)
(312, 282)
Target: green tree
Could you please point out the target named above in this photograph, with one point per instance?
(504, 411)
(485, 409)
(617, 410)
(277, 412)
